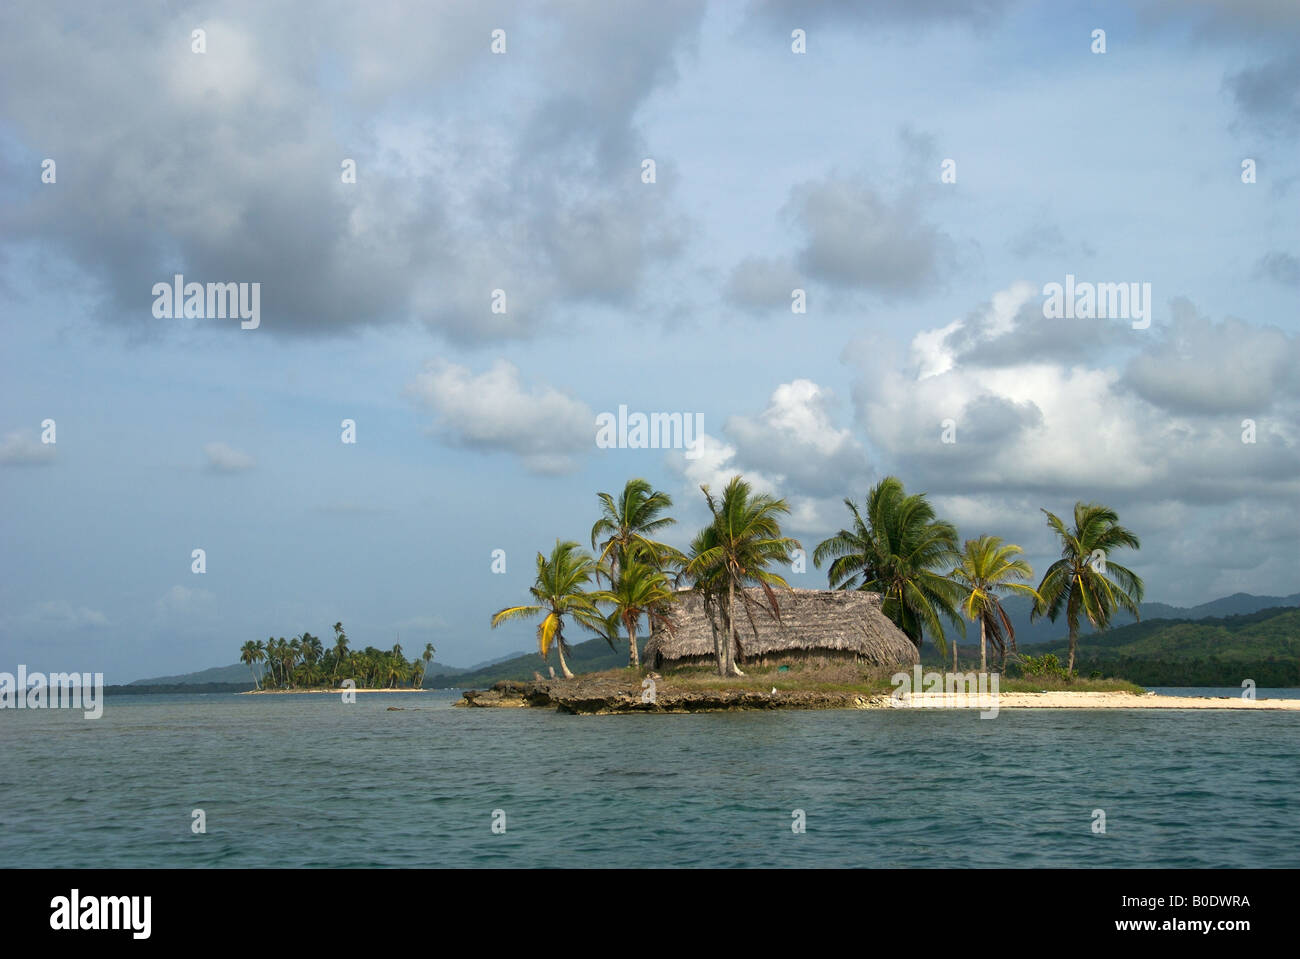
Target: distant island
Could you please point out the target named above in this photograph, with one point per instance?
(303, 664)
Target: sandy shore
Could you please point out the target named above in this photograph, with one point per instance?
(1069, 700)
(298, 692)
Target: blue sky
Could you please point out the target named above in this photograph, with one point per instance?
(522, 171)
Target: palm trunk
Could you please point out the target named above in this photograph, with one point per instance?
(729, 658)
(564, 667)
(954, 655)
(632, 658)
(1074, 638)
(984, 662)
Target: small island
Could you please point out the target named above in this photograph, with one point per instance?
(896, 575)
(304, 665)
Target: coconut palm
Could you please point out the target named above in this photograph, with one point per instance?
(1084, 580)
(251, 653)
(427, 656)
(988, 568)
(340, 649)
(627, 525)
(559, 592)
(898, 549)
(709, 583)
(745, 539)
(638, 589)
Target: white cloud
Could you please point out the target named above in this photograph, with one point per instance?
(495, 411)
(226, 459)
(60, 614)
(21, 448)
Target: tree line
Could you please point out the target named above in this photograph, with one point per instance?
(303, 662)
(894, 545)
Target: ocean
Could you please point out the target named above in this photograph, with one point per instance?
(307, 780)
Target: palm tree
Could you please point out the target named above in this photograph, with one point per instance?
(745, 539)
(429, 653)
(987, 568)
(250, 653)
(896, 550)
(1084, 579)
(340, 649)
(627, 526)
(711, 587)
(638, 589)
(559, 592)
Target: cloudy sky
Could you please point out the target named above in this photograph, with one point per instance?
(525, 172)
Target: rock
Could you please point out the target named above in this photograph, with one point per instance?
(588, 697)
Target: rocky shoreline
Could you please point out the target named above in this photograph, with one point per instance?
(605, 696)
(602, 696)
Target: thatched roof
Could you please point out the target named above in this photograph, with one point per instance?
(843, 621)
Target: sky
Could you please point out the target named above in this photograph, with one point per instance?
(922, 171)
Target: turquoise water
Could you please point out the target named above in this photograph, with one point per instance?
(309, 781)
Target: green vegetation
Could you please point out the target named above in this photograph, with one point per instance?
(987, 568)
(899, 550)
(1262, 646)
(1085, 579)
(734, 552)
(896, 546)
(559, 592)
(304, 663)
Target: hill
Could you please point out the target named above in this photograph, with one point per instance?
(593, 656)
(1044, 631)
(1213, 651)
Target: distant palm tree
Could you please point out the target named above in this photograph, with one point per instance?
(987, 568)
(639, 589)
(429, 653)
(898, 550)
(559, 592)
(745, 539)
(1084, 580)
(250, 653)
(340, 649)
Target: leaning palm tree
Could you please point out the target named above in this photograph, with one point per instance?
(559, 591)
(988, 568)
(639, 589)
(427, 656)
(627, 526)
(746, 539)
(1084, 580)
(897, 550)
(250, 654)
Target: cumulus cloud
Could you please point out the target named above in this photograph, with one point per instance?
(226, 459)
(792, 449)
(878, 12)
(495, 411)
(763, 285)
(226, 166)
(1165, 426)
(858, 238)
(184, 602)
(60, 614)
(1196, 366)
(24, 448)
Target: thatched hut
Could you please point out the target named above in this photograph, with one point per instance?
(815, 624)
